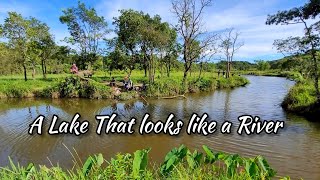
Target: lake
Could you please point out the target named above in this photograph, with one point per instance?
(293, 151)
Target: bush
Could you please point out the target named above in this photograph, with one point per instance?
(74, 86)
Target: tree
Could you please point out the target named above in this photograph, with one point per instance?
(307, 44)
(171, 53)
(143, 39)
(190, 28)
(41, 46)
(155, 36)
(87, 29)
(128, 28)
(230, 46)
(46, 45)
(18, 31)
(262, 65)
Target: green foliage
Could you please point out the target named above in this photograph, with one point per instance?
(91, 163)
(86, 29)
(232, 82)
(141, 39)
(173, 86)
(300, 97)
(74, 86)
(63, 85)
(262, 65)
(20, 32)
(20, 88)
(179, 163)
(140, 162)
(308, 44)
(174, 157)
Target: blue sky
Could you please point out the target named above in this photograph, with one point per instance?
(246, 16)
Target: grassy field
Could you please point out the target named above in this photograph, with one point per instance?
(67, 85)
(179, 163)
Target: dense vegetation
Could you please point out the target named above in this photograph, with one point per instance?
(179, 163)
(72, 86)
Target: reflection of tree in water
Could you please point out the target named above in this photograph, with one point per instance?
(128, 106)
(114, 106)
(226, 114)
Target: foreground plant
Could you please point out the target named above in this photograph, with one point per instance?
(179, 163)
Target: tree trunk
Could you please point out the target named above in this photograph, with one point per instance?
(145, 69)
(168, 70)
(150, 70)
(185, 74)
(228, 70)
(200, 70)
(43, 69)
(33, 70)
(25, 72)
(316, 75)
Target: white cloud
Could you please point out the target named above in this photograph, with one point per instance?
(248, 19)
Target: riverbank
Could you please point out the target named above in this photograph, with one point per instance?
(296, 76)
(301, 99)
(72, 86)
(179, 163)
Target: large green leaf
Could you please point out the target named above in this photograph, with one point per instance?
(99, 159)
(210, 157)
(87, 166)
(140, 162)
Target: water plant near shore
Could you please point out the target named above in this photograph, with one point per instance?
(179, 163)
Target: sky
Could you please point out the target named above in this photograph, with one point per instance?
(246, 16)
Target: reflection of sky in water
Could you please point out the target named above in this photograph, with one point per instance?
(294, 151)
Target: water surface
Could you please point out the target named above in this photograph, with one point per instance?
(294, 151)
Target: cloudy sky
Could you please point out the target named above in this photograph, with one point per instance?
(246, 16)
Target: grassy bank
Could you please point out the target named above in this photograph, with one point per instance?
(69, 86)
(179, 163)
(302, 100)
(277, 73)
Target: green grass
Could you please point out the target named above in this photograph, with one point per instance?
(179, 163)
(21, 88)
(63, 85)
(301, 97)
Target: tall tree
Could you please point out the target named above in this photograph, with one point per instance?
(170, 52)
(307, 44)
(142, 38)
(155, 36)
(190, 28)
(17, 30)
(230, 45)
(41, 47)
(128, 28)
(87, 29)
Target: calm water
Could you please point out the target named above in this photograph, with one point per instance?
(294, 151)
